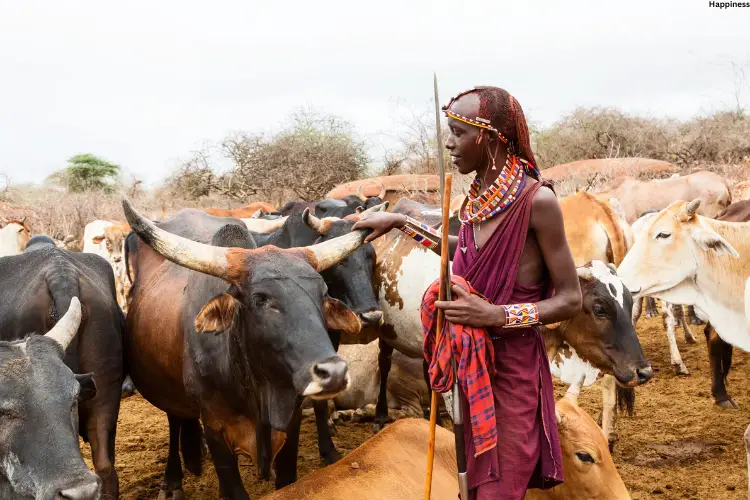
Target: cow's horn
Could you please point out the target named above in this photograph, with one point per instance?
(258, 214)
(377, 208)
(360, 194)
(331, 252)
(359, 209)
(182, 251)
(383, 191)
(65, 330)
(692, 207)
(585, 273)
(313, 222)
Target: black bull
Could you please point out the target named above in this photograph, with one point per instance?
(269, 313)
(36, 289)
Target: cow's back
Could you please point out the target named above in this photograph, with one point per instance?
(389, 465)
(592, 229)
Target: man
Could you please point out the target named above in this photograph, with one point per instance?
(512, 249)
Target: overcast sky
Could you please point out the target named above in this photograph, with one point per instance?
(144, 83)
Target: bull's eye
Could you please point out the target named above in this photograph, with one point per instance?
(599, 310)
(260, 299)
(663, 235)
(585, 457)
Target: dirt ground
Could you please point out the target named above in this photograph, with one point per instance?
(678, 445)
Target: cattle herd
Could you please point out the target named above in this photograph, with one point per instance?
(231, 321)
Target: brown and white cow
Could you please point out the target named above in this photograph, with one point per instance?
(107, 239)
(13, 237)
(391, 465)
(638, 196)
(611, 167)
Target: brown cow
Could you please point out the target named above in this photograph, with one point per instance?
(245, 212)
(391, 465)
(638, 196)
(610, 167)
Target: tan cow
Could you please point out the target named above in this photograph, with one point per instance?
(593, 229)
(391, 465)
(741, 191)
(13, 237)
(638, 196)
(245, 212)
(611, 167)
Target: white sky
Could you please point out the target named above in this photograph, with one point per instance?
(144, 83)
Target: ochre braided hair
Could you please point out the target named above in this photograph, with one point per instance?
(504, 114)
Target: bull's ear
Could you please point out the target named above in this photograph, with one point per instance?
(88, 387)
(710, 241)
(218, 315)
(98, 239)
(340, 317)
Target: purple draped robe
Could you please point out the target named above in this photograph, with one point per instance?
(528, 451)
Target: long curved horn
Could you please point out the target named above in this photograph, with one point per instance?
(331, 252)
(182, 251)
(383, 191)
(360, 194)
(65, 330)
(314, 222)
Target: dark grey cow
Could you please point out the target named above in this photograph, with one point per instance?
(36, 288)
(39, 455)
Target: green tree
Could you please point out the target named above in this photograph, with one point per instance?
(87, 172)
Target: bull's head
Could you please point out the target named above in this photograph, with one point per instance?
(351, 280)
(39, 454)
(276, 303)
(666, 255)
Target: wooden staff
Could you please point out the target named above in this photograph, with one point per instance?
(442, 293)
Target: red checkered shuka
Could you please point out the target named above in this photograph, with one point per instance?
(474, 356)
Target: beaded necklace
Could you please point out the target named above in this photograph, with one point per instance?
(478, 208)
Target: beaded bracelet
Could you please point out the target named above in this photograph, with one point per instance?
(421, 233)
(521, 315)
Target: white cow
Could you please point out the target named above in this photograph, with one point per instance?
(672, 314)
(689, 259)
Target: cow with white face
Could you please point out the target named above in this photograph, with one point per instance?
(107, 240)
(689, 259)
(13, 237)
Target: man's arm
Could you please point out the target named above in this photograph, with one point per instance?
(547, 222)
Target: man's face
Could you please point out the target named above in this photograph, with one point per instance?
(467, 155)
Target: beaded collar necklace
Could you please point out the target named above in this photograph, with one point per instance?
(479, 208)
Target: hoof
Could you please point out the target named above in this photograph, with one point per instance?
(681, 370)
(377, 427)
(611, 445)
(332, 429)
(331, 457)
(689, 340)
(728, 404)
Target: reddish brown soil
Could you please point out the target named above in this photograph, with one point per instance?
(679, 445)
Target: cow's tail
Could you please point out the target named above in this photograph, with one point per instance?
(626, 399)
(614, 232)
(191, 444)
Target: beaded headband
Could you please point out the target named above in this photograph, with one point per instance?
(476, 121)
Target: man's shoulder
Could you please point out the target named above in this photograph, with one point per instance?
(545, 199)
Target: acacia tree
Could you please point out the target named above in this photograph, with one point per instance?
(87, 172)
(305, 160)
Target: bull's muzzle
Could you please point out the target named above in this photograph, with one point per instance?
(372, 318)
(329, 378)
